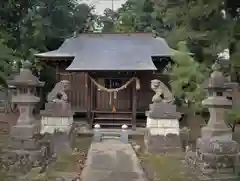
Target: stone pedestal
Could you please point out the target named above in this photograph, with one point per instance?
(163, 135)
(57, 120)
(56, 117)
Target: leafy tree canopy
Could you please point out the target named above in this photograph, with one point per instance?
(187, 78)
(28, 27)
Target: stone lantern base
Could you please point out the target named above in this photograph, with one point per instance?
(25, 150)
(215, 159)
(24, 131)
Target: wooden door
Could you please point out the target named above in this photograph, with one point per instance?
(121, 100)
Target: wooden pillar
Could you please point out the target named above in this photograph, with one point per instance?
(89, 101)
(134, 105)
(57, 72)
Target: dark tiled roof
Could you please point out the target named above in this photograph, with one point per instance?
(112, 51)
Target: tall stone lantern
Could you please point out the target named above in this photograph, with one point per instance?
(217, 104)
(216, 151)
(22, 137)
(26, 100)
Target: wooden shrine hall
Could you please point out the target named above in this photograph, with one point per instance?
(110, 74)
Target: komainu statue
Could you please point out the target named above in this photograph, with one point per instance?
(58, 94)
(162, 93)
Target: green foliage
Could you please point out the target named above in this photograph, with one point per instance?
(41, 25)
(187, 77)
(6, 61)
(207, 27)
(28, 27)
(232, 116)
(107, 20)
(202, 24)
(135, 16)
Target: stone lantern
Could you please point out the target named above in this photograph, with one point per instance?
(216, 151)
(22, 135)
(217, 103)
(26, 99)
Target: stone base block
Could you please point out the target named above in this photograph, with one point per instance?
(19, 162)
(210, 174)
(160, 144)
(218, 155)
(24, 132)
(163, 126)
(49, 124)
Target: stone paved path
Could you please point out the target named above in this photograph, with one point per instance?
(111, 160)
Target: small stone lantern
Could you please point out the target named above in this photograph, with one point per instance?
(217, 103)
(25, 98)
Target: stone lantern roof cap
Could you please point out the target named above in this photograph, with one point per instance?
(25, 77)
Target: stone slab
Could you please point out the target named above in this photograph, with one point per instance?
(111, 160)
(29, 144)
(62, 141)
(160, 144)
(14, 155)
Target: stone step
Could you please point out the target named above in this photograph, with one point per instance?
(111, 133)
(111, 137)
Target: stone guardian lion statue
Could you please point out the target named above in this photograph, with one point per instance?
(58, 94)
(162, 93)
